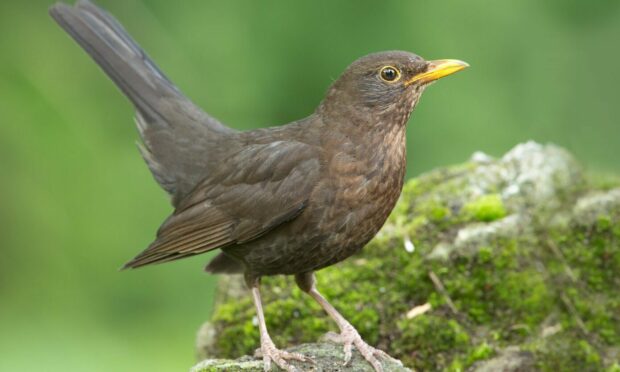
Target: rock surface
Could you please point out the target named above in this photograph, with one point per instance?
(495, 264)
(326, 356)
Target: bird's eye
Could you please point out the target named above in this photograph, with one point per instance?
(389, 74)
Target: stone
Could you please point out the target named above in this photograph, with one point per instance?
(327, 357)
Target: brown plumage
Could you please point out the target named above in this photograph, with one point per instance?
(284, 200)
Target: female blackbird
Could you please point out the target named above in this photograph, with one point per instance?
(285, 200)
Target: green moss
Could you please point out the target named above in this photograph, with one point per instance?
(565, 352)
(480, 352)
(604, 222)
(615, 367)
(595, 257)
(438, 213)
(433, 338)
(486, 208)
(456, 366)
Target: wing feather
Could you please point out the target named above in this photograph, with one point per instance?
(251, 201)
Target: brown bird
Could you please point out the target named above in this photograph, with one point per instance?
(284, 200)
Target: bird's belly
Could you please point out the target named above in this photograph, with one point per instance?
(360, 219)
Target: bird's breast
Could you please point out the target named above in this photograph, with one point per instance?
(363, 184)
(370, 168)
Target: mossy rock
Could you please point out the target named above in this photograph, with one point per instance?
(508, 262)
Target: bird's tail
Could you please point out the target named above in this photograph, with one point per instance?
(116, 53)
(175, 132)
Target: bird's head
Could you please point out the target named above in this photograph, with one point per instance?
(386, 85)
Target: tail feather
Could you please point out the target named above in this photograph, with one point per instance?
(119, 56)
(175, 132)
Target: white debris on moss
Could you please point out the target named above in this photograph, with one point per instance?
(409, 247)
(418, 310)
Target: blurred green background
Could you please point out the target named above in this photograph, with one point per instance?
(77, 200)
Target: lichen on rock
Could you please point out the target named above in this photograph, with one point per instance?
(513, 262)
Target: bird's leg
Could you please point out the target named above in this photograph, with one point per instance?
(348, 334)
(267, 348)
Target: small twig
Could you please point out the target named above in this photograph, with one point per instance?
(574, 313)
(418, 310)
(442, 290)
(556, 251)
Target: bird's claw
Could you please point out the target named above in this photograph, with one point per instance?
(349, 337)
(269, 353)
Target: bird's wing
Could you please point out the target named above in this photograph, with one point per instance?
(175, 132)
(255, 190)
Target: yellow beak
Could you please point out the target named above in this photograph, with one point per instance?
(438, 69)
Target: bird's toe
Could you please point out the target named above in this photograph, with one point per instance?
(349, 338)
(294, 356)
(270, 354)
(370, 354)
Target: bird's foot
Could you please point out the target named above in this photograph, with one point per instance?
(269, 353)
(349, 337)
